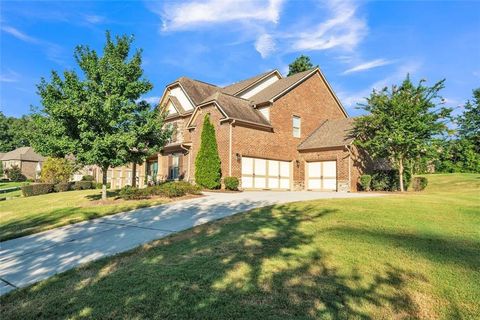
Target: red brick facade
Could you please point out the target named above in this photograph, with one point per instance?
(311, 100)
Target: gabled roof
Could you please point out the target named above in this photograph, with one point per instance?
(279, 86)
(240, 86)
(236, 108)
(23, 154)
(330, 133)
(197, 90)
(178, 106)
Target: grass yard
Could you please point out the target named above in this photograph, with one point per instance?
(11, 194)
(24, 216)
(407, 256)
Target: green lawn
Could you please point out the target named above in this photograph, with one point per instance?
(11, 194)
(23, 216)
(407, 256)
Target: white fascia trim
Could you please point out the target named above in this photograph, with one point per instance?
(258, 80)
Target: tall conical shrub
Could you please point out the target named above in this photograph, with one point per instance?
(207, 164)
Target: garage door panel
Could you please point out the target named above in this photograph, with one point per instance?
(315, 169)
(260, 182)
(273, 168)
(330, 169)
(260, 168)
(247, 182)
(314, 184)
(284, 169)
(247, 166)
(273, 183)
(329, 184)
(285, 183)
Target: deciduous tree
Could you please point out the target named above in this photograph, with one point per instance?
(402, 123)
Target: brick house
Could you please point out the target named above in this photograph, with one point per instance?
(29, 162)
(273, 132)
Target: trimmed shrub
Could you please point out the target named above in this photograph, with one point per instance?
(87, 178)
(37, 189)
(63, 186)
(83, 185)
(171, 189)
(387, 180)
(14, 173)
(419, 183)
(56, 170)
(207, 163)
(133, 193)
(231, 183)
(365, 181)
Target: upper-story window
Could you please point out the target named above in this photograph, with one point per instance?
(296, 121)
(173, 128)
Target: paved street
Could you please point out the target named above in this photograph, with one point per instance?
(29, 259)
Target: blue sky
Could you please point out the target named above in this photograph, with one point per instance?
(359, 45)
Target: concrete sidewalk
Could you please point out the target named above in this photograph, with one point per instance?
(29, 259)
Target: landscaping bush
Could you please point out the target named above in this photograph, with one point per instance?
(133, 193)
(419, 183)
(56, 170)
(387, 180)
(170, 189)
(83, 185)
(14, 173)
(63, 186)
(231, 183)
(365, 181)
(87, 178)
(37, 189)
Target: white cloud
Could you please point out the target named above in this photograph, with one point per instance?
(53, 51)
(94, 19)
(9, 76)
(19, 34)
(186, 15)
(265, 45)
(343, 28)
(368, 65)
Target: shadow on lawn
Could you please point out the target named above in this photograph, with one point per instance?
(264, 264)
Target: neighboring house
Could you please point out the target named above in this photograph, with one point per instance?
(273, 132)
(26, 159)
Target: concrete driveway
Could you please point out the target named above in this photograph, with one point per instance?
(29, 259)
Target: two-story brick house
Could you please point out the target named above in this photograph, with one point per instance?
(273, 132)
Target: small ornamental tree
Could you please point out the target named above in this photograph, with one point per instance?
(207, 163)
(300, 64)
(402, 123)
(56, 170)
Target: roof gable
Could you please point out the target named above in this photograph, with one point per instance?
(23, 154)
(238, 87)
(330, 133)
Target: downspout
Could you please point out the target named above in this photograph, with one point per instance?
(349, 168)
(230, 149)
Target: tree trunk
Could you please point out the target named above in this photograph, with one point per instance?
(400, 174)
(104, 183)
(134, 174)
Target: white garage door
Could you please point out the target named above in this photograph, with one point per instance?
(322, 175)
(265, 174)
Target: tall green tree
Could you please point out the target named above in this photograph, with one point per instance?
(300, 64)
(14, 132)
(402, 123)
(207, 163)
(95, 115)
(469, 121)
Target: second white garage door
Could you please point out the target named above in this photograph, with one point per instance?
(265, 174)
(322, 175)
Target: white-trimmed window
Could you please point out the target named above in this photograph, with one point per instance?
(296, 122)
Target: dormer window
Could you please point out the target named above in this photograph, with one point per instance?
(296, 122)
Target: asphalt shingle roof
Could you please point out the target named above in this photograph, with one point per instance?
(237, 87)
(330, 133)
(22, 153)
